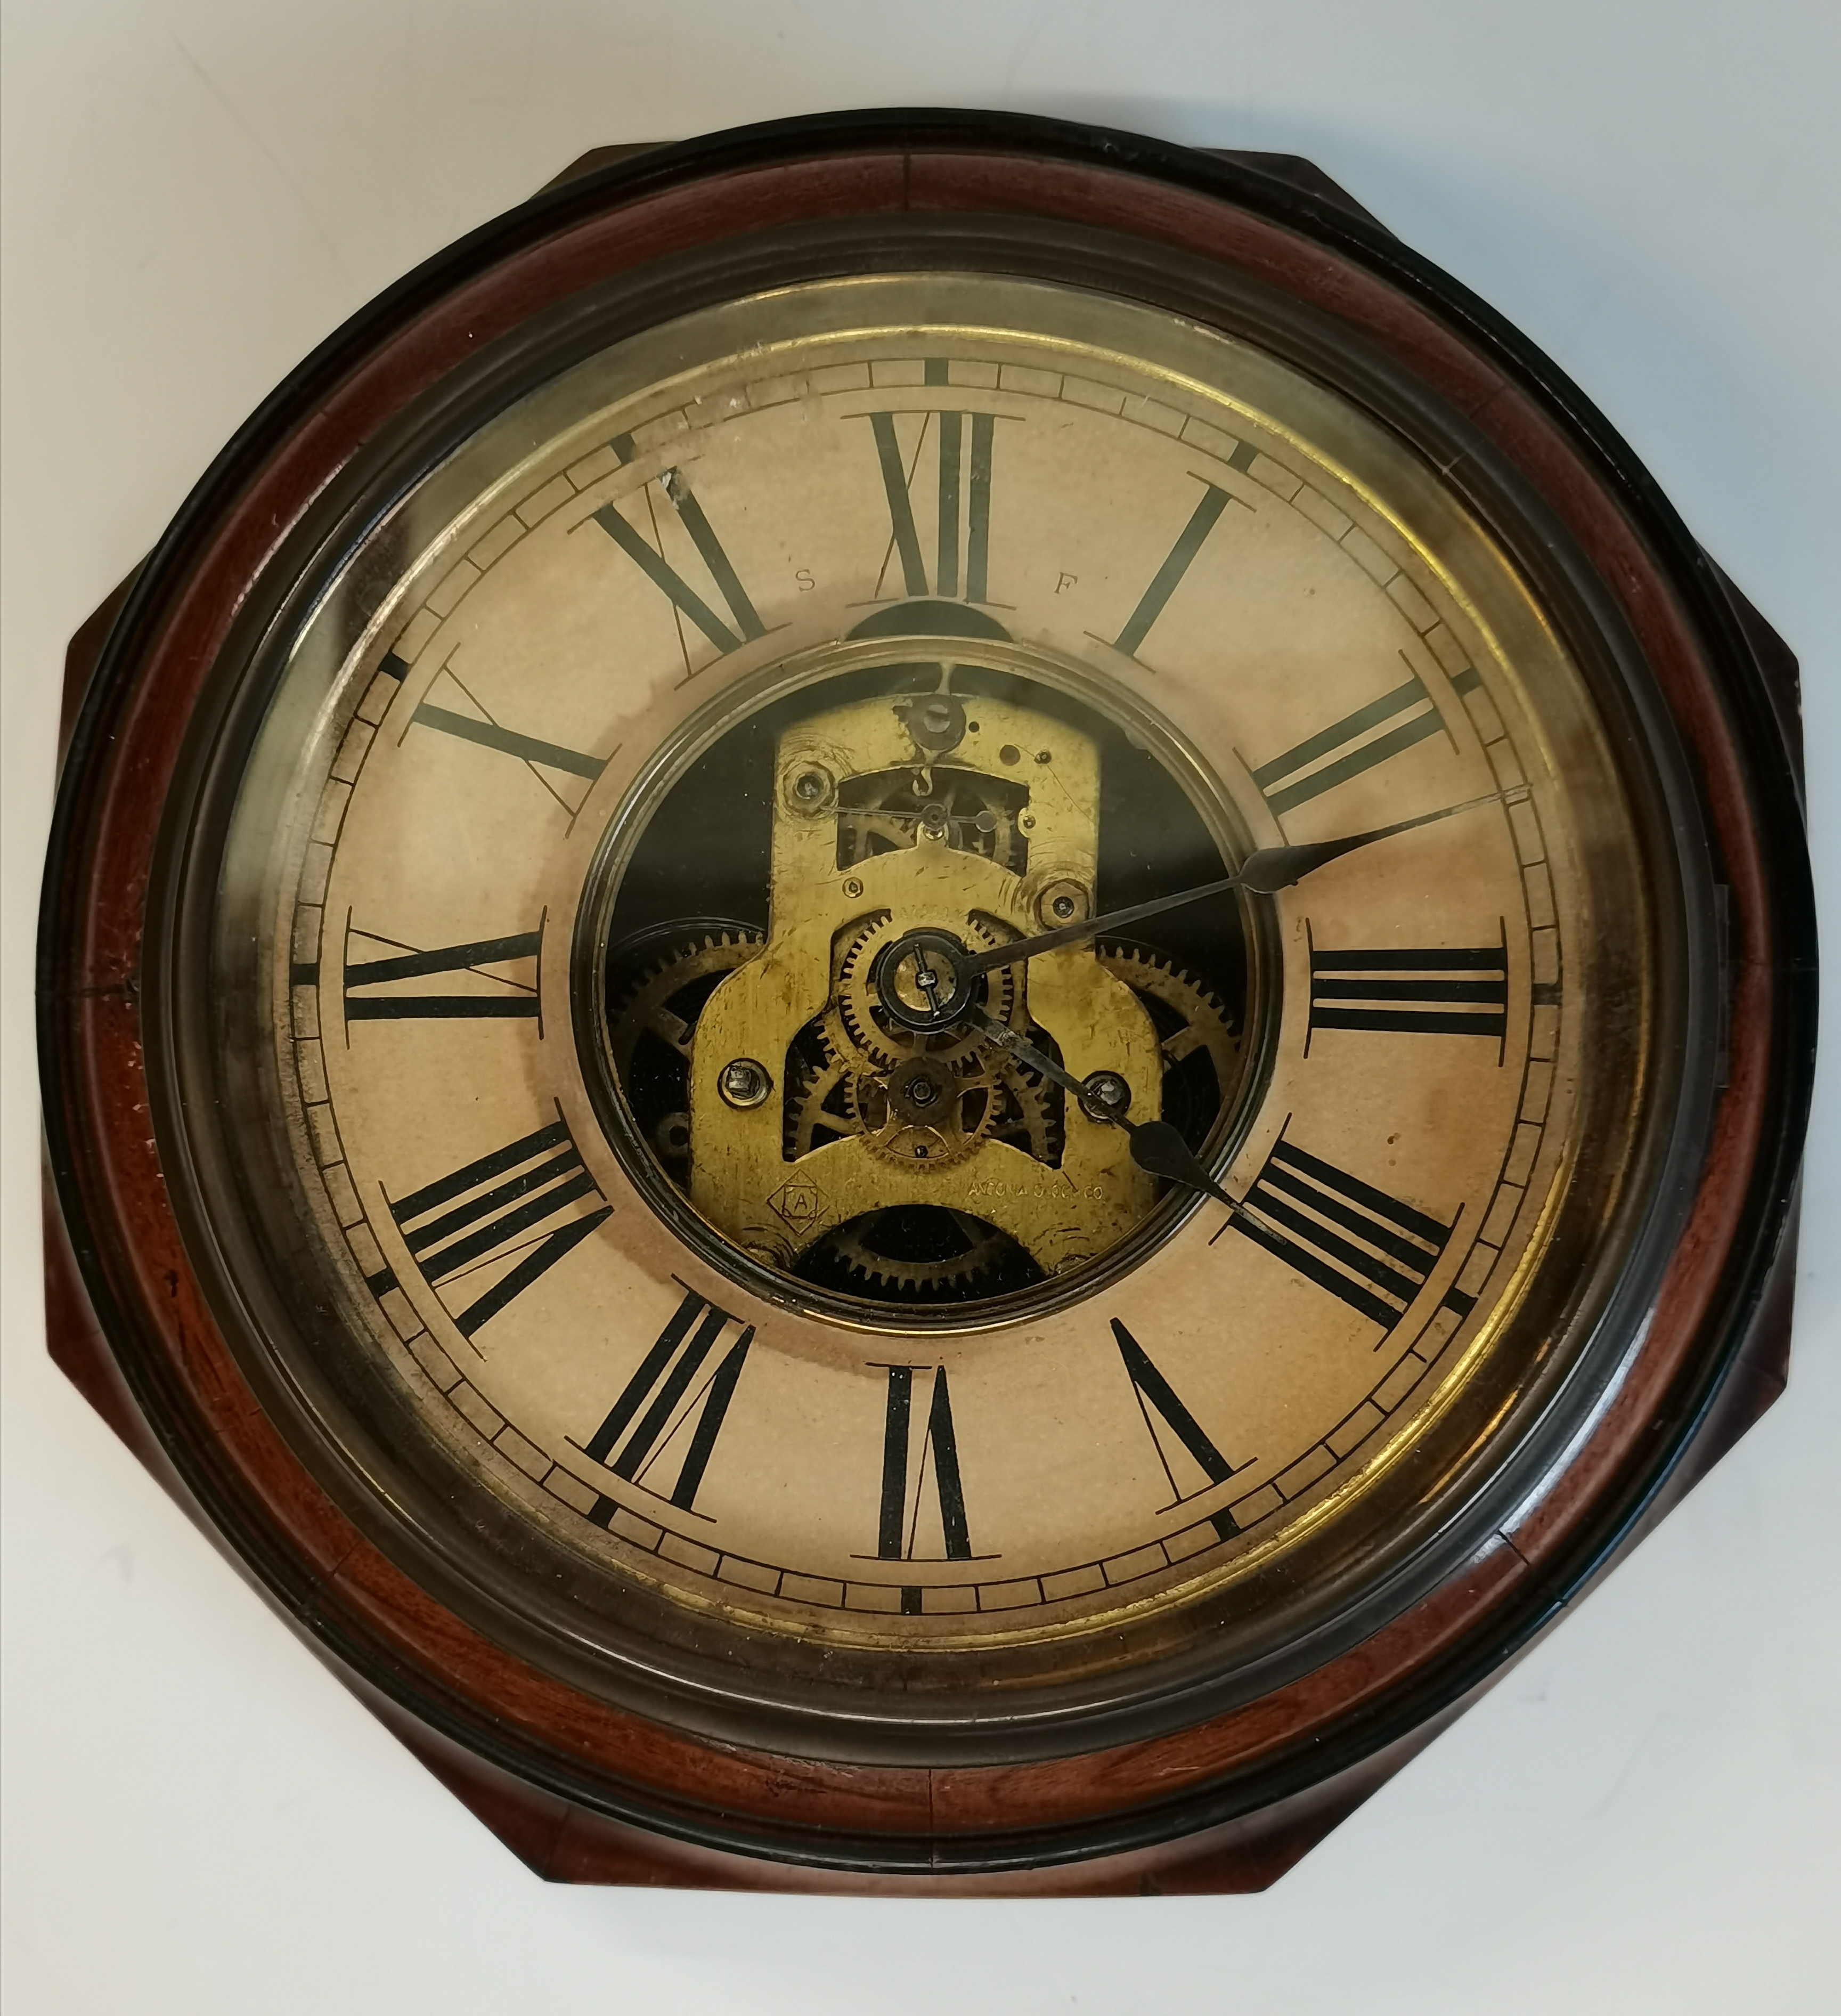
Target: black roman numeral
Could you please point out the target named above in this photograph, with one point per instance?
(496, 997)
(648, 556)
(679, 1420)
(910, 1463)
(495, 1210)
(962, 502)
(1349, 747)
(1430, 990)
(1370, 1249)
(543, 758)
(1155, 1392)
(1188, 543)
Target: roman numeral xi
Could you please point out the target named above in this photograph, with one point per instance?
(649, 557)
(672, 1409)
(529, 1203)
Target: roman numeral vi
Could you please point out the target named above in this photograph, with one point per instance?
(915, 1467)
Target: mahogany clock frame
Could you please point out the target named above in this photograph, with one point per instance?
(580, 1791)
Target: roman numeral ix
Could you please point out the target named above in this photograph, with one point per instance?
(683, 1413)
(494, 997)
(1155, 1394)
(519, 1203)
(1421, 990)
(1371, 1250)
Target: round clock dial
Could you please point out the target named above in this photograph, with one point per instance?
(967, 1017)
(748, 1097)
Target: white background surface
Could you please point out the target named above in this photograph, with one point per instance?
(1645, 1816)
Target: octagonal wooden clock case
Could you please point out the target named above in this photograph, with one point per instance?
(923, 998)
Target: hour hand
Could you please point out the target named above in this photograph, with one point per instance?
(1156, 1146)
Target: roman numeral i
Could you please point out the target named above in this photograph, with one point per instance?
(683, 1415)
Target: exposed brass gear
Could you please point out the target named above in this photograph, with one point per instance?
(662, 1003)
(1191, 1022)
(862, 1036)
(856, 1246)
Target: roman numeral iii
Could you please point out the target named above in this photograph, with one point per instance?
(1420, 990)
(528, 1203)
(683, 1411)
(1372, 1251)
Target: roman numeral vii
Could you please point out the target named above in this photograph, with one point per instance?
(684, 1405)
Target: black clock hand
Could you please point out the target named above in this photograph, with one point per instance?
(1264, 872)
(1156, 1146)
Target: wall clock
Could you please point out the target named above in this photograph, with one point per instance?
(923, 998)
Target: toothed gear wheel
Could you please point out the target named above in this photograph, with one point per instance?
(650, 1005)
(822, 1103)
(650, 1034)
(863, 1246)
(1191, 1022)
(860, 1034)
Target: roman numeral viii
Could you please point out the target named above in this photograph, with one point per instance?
(649, 556)
(960, 532)
(1182, 1435)
(683, 1412)
(488, 996)
(527, 1204)
(1429, 990)
(1371, 1250)
(917, 1468)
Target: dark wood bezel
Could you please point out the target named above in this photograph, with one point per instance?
(585, 1792)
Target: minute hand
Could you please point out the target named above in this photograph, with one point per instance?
(1264, 872)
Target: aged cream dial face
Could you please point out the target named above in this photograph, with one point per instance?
(677, 1136)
